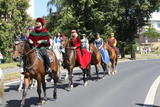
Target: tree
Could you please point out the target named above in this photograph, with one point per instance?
(13, 18)
(151, 33)
(133, 14)
(124, 17)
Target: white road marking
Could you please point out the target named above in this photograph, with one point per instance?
(152, 92)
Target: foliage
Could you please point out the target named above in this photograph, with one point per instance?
(123, 17)
(13, 18)
(151, 33)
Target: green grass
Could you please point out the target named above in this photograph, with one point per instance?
(141, 56)
(11, 76)
(8, 65)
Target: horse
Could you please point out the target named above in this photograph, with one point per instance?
(59, 56)
(34, 68)
(1, 87)
(97, 60)
(70, 61)
(33, 82)
(113, 57)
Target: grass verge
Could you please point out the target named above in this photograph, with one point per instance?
(11, 76)
(8, 65)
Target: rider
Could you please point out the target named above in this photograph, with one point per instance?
(57, 40)
(113, 42)
(99, 44)
(84, 42)
(84, 57)
(39, 38)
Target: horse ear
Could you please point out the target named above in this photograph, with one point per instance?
(22, 36)
(15, 37)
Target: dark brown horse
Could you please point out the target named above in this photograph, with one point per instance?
(70, 61)
(97, 60)
(34, 68)
(113, 57)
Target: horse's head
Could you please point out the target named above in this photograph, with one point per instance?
(65, 42)
(18, 50)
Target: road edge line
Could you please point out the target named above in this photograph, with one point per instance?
(149, 100)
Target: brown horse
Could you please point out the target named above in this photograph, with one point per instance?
(97, 60)
(113, 57)
(34, 68)
(70, 61)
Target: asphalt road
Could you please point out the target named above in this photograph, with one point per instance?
(128, 88)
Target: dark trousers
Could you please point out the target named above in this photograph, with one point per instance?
(43, 53)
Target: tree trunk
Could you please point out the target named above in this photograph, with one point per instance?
(122, 51)
(133, 54)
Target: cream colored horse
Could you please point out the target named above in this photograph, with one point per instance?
(59, 56)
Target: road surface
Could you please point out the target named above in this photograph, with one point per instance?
(129, 87)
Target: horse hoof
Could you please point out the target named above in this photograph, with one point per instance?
(19, 90)
(104, 77)
(21, 106)
(113, 73)
(85, 84)
(71, 86)
(44, 101)
(55, 95)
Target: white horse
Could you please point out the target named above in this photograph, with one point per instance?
(59, 56)
(1, 86)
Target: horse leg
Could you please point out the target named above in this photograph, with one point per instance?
(84, 77)
(70, 85)
(66, 76)
(89, 71)
(21, 82)
(26, 86)
(44, 90)
(55, 78)
(104, 69)
(113, 66)
(97, 70)
(39, 89)
(59, 72)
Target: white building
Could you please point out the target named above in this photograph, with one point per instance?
(155, 20)
(31, 9)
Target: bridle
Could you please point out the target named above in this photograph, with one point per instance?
(23, 55)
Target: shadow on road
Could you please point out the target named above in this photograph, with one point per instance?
(146, 105)
(11, 88)
(29, 102)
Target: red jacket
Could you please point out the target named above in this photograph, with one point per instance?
(40, 34)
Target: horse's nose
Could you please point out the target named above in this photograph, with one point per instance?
(16, 59)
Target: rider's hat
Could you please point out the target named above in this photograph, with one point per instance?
(112, 34)
(73, 31)
(40, 20)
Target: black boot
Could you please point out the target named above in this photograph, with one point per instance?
(43, 53)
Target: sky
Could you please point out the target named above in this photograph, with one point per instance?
(41, 8)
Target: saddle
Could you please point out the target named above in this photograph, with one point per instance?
(41, 58)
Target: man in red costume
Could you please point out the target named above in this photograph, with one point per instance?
(84, 57)
(39, 37)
